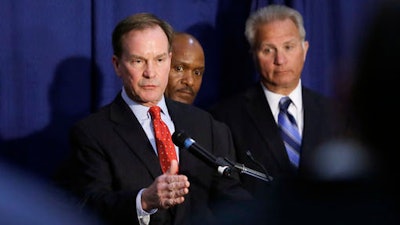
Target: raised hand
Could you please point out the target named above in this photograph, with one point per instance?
(167, 190)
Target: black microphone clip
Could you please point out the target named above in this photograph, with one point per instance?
(254, 173)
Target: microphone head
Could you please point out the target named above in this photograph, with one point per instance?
(179, 138)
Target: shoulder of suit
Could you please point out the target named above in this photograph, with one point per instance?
(174, 106)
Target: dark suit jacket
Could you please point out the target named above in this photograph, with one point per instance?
(112, 160)
(253, 128)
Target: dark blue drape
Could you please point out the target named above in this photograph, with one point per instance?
(55, 59)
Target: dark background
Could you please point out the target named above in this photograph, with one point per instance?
(55, 59)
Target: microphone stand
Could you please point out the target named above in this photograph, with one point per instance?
(244, 170)
(224, 165)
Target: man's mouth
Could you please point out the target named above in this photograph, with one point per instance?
(186, 92)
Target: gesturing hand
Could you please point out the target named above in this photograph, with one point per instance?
(167, 190)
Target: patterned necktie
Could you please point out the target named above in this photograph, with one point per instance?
(165, 146)
(289, 131)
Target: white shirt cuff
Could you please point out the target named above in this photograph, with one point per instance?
(143, 216)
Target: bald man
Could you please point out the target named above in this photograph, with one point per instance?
(187, 68)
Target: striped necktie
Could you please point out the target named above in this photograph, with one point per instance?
(289, 131)
(165, 146)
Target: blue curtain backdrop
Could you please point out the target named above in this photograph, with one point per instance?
(55, 59)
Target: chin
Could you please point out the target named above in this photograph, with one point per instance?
(183, 100)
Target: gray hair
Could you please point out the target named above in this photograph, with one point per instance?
(269, 14)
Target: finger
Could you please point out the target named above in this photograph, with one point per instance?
(178, 193)
(173, 169)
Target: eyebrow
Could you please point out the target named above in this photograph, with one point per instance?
(293, 40)
(162, 55)
(186, 64)
(141, 57)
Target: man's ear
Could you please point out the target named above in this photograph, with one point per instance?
(115, 63)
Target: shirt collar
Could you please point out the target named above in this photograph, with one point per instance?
(141, 111)
(273, 98)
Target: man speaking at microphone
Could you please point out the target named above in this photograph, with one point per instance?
(118, 166)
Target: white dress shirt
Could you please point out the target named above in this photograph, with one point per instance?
(142, 114)
(296, 109)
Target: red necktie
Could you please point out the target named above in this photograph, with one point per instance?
(165, 146)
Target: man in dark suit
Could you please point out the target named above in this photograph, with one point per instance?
(114, 167)
(277, 39)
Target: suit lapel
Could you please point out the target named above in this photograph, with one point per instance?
(313, 120)
(130, 130)
(180, 117)
(265, 124)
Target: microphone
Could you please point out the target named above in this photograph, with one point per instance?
(224, 165)
(182, 140)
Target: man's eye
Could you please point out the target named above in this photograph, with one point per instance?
(179, 68)
(198, 73)
(289, 47)
(267, 50)
(136, 61)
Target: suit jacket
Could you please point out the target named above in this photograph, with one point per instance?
(112, 159)
(254, 129)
